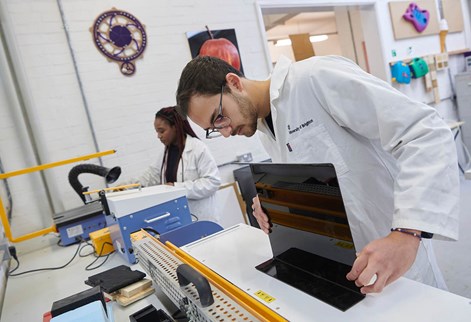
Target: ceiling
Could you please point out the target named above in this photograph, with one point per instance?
(281, 25)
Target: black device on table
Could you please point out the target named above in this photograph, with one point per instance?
(311, 240)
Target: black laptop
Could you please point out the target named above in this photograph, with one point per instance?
(311, 240)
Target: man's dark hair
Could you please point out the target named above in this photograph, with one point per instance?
(203, 75)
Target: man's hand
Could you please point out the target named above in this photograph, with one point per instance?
(389, 258)
(260, 215)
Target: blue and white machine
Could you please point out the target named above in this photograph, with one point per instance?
(162, 208)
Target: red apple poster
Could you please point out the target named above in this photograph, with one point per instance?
(220, 43)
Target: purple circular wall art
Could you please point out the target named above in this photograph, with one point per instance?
(120, 37)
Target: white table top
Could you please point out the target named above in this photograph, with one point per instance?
(233, 253)
(29, 296)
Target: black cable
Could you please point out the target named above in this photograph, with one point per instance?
(87, 268)
(12, 251)
(195, 217)
(59, 243)
(47, 268)
(17, 265)
(86, 244)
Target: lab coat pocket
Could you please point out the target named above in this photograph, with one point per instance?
(315, 145)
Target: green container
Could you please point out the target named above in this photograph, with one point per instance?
(418, 67)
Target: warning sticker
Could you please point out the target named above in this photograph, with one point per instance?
(74, 231)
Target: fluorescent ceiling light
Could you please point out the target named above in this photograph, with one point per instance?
(287, 41)
(283, 42)
(318, 38)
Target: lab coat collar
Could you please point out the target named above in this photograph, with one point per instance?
(276, 83)
(189, 144)
(278, 77)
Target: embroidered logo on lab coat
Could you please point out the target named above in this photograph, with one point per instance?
(300, 127)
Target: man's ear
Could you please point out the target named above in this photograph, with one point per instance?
(234, 82)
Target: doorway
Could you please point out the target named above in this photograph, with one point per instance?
(330, 30)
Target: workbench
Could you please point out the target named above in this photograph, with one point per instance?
(233, 254)
(29, 296)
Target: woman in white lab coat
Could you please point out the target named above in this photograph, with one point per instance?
(186, 162)
(395, 158)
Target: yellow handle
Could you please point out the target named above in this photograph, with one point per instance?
(3, 215)
(54, 164)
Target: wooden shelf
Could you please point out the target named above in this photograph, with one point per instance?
(450, 53)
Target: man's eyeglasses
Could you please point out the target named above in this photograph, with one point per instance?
(219, 122)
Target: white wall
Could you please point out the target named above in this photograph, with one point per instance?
(421, 46)
(121, 108)
(3, 266)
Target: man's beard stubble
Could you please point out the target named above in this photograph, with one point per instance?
(249, 114)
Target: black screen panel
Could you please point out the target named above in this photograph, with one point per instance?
(310, 237)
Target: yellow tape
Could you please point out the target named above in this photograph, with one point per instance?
(264, 296)
(344, 244)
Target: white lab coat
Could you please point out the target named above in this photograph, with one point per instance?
(395, 157)
(197, 173)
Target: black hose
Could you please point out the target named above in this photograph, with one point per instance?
(110, 175)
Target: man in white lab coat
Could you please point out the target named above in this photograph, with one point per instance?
(395, 157)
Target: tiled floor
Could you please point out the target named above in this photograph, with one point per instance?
(454, 258)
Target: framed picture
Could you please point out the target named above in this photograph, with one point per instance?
(220, 43)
